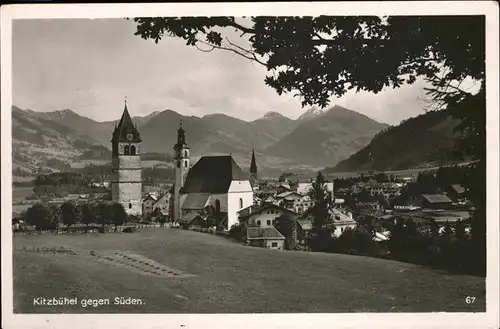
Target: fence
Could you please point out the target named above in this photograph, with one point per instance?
(82, 229)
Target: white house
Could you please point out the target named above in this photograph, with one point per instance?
(264, 215)
(342, 220)
(339, 221)
(259, 222)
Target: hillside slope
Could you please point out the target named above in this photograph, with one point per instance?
(327, 137)
(426, 139)
(40, 144)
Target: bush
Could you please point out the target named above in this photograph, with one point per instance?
(356, 241)
(236, 231)
(322, 241)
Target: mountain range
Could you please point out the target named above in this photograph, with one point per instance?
(317, 139)
(428, 139)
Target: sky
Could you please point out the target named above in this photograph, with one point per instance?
(90, 66)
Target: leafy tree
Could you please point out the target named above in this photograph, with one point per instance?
(102, 215)
(117, 214)
(322, 57)
(88, 212)
(69, 214)
(162, 220)
(39, 215)
(321, 202)
(286, 225)
(357, 241)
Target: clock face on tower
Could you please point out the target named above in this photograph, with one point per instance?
(130, 136)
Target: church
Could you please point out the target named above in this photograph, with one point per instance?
(126, 175)
(215, 181)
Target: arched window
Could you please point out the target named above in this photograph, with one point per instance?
(126, 150)
(241, 203)
(132, 150)
(129, 206)
(185, 163)
(217, 206)
(185, 154)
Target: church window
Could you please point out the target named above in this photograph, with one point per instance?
(126, 150)
(185, 154)
(217, 206)
(241, 203)
(132, 150)
(185, 163)
(129, 206)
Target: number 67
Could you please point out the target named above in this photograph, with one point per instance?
(470, 300)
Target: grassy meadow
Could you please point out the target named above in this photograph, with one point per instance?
(225, 276)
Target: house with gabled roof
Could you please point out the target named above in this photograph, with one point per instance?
(265, 237)
(264, 215)
(436, 201)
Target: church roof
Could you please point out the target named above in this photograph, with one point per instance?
(196, 201)
(124, 128)
(213, 174)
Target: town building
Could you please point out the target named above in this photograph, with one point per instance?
(264, 215)
(265, 237)
(155, 203)
(338, 221)
(215, 181)
(259, 223)
(305, 188)
(436, 201)
(126, 165)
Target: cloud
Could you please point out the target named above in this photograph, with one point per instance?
(89, 66)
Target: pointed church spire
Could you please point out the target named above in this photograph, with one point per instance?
(126, 130)
(181, 136)
(253, 164)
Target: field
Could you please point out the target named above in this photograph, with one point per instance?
(190, 272)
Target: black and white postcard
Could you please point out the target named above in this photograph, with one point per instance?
(267, 165)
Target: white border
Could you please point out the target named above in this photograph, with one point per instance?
(385, 320)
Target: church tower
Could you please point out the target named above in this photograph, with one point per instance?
(181, 165)
(126, 165)
(253, 169)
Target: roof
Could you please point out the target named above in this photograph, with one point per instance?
(188, 218)
(151, 196)
(196, 201)
(124, 128)
(436, 198)
(213, 174)
(264, 233)
(459, 189)
(305, 223)
(285, 185)
(284, 194)
(249, 211)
